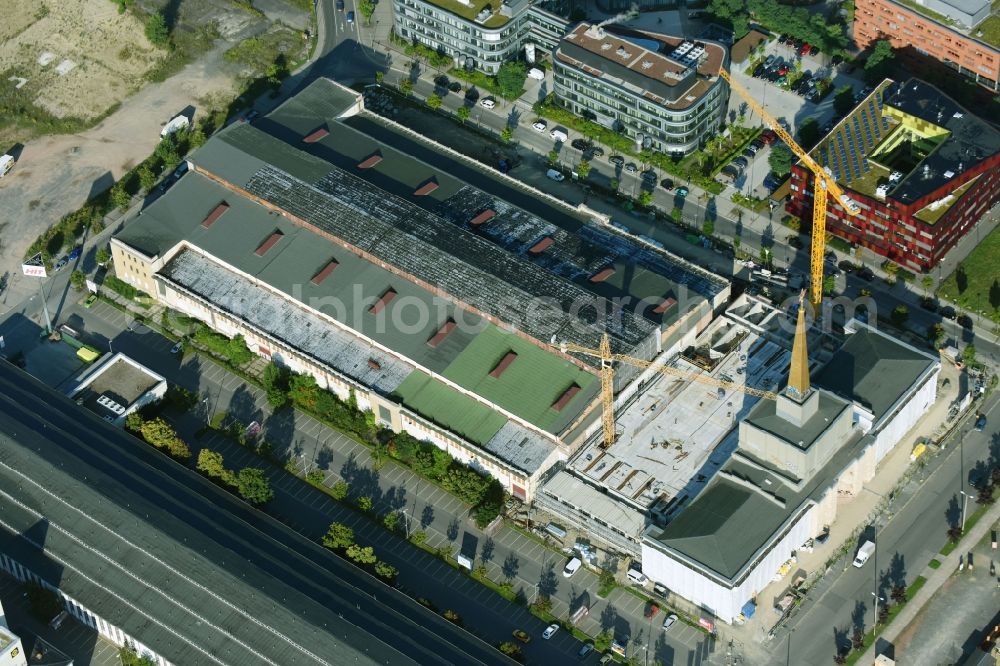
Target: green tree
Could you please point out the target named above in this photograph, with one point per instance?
(379, 76)
(316, 477)
(512, 650)
(418, 537)
(160, 434)
(434, 101)
(361, 554)
(338, 537)
(406, 87)
(510, 79)
(211, 464)
(900, 314)
(613, 184)
(553, 157)
(734, 12)
(645, 198)
(969, 355)
(275, 380)
(468, 484)
(102, 256)
(809, 133)
(367, 8)
(676, 214)
(120, 198)
(935, 334)
(928, 282)
(385, 570)
(146, 177)
(365, 503)
(390, 520)
(583, 169)
(506, 134)
(128, 656)
(156, 30)
(463, 113)
(829, 284)
(339, 490)
(78, 279)
(780, 160)
(708, 227)
(843, 101)
(133, 423)
(880, 61)
(253, 486)
(486, 512)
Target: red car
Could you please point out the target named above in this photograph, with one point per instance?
(805, 49)
(768, 137)
(782, 71)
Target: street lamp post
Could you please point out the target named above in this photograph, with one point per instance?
(877, 599)
(965, 503)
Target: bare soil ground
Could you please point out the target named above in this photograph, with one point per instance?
(56, 174)
(77, 57)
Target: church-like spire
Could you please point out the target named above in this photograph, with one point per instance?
(798, 374)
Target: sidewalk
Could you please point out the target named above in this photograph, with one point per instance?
(933, 584)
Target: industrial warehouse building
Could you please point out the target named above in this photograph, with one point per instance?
(922, 169)
(664, 92)
(438, 304)
(797, 459)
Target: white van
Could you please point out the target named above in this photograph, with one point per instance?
(535, 73)
(555, 175)
(559, 135)
(637, 577)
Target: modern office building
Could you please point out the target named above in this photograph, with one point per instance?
(415, 285)
(478, 33)
(922, 169)
(11, 647)
(798, 459)
(117, 386)
(664, 92)
(961, 34)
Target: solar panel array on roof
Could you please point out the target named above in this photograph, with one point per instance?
(848, 146)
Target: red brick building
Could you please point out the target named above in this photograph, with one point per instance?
(922, 169)
(917, 37)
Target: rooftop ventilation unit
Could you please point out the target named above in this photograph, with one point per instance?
(541, 245)
(325, 273)
(895, 176)
(271, 241)
(504, 363)
(881, 191)
(646, 64)
(602, 275)
(564, 399)
(425, 189)
(370, 161)
(214, 215)
(442, 333)
(949, 174)
(382, 302)
(108, 403)
(483, 217)
(622, 53)
(316, 135)
(665, 305)
(605, 46)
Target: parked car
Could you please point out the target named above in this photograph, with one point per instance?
(732, 171)
(587, 648)
(846, 266)
(340, 5)
(617, 160)
(649, 174)
(559, 135)
(60, 264)
(487, 102)
(682, 191)
(580, 144)
(758, 70)
(795, 242)
(866, 274)
(631, 167)
(669, 621)
(350, 17)
(455, 86)
(74, 254)
(805, 49)
(981, 423)
(667, 184)
(965, 321)
(597, 151)
(555, 175)
(768, 60)
(741, 162)
(550, 631)
(768, 137)
(90, 300)
(661, 590)
(441, 81)
(522, 635)
(928, 303)
(948, 312)
(539, 125)
(177, 347)
(572, 567)
(813, 50)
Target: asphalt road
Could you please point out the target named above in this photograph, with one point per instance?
(905, 544)
(276, 565)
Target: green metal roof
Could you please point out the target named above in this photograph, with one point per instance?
(450, 408)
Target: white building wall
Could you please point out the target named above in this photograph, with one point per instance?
(898, 424)
(723, 601)
(86, 617)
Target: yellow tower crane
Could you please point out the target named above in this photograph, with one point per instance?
(825, 184)
(608, 377)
